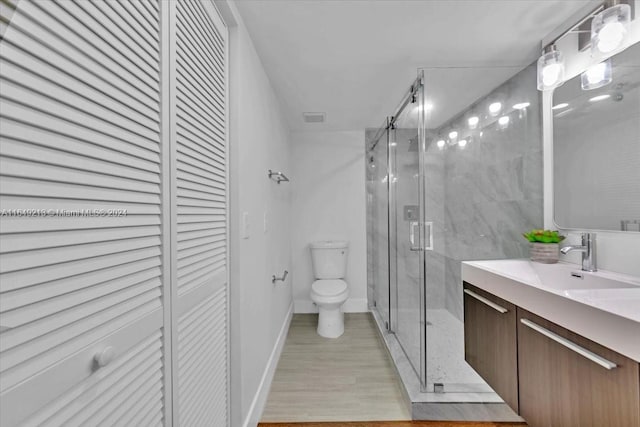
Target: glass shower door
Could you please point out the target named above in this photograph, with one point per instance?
(407, 229)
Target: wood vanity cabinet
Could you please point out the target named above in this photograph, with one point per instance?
(560, 387)
(551, 376)
(490, 341)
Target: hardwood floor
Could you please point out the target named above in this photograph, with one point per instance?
(394, 424)
(347, 378)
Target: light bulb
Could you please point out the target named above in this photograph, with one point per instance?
(495, 108)
(473, 122)
(611, 36)
(551, 74)
(521, 106)
(550, 69)
(462, 143)
(453, 134)
(597, 76)
(609, 28)
(596, 73)
(440, 144)
(503, 121)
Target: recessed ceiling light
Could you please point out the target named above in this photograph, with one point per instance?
(453, 134)
(521, 106)
(473, 122)
(495, 108)
(559, 106)
(599, 98)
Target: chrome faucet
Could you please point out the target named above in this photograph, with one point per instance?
(588, 249)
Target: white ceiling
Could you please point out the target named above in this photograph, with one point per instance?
(355, 59)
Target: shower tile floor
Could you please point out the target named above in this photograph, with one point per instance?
(445, 353)
(351, 378)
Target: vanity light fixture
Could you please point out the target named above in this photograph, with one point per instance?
(609, 27)
(560, 106)
(521, 105)
(462, 143)
(599, 98)
(597, 76)
(495, 108)
(473, 122)
(440, 144)
(453, 135)
(550, 68)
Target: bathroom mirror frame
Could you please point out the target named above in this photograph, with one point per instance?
(553, 157)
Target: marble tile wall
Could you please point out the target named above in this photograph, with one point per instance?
(493, 186)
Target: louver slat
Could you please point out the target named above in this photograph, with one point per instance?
(201, 216)
(81, 266)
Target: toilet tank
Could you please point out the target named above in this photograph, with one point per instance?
(329, 259)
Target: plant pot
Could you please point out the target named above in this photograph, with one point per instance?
(546, 253)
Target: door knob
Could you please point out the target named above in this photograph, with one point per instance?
(105, 356)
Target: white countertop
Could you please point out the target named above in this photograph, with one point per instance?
(603, 306)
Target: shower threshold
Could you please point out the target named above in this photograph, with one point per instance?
(448, 401)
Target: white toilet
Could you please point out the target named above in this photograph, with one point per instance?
(329, 291)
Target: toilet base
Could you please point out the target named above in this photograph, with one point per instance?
(330, 322)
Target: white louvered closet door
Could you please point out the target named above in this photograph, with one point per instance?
(200, 184)
(81, 267)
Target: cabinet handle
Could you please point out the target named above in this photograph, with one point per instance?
(607, 364)
(482, 299)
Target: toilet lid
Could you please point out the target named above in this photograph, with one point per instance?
(329, 287)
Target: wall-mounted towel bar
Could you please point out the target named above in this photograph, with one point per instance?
(275, 279)
(278, 176)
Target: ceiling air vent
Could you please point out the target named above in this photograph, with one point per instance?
(314, 117)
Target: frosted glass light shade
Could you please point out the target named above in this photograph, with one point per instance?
(609, 28)
(550, 70)
(597, 75)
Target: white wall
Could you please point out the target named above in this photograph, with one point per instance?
(617, 251)
(328, 183)
(260, 310)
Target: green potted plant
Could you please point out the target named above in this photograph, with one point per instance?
(544, 245)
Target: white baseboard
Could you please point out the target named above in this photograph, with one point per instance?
(260, 398)
(352, 305)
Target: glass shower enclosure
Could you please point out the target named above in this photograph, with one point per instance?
(402, 235)
(449, 178)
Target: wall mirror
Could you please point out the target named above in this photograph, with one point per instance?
(596, 147)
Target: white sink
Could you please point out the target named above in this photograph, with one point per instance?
(558, 277)
(625, 302)
(602, 306)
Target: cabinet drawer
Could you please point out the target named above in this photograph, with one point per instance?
(567, 380)
(491, 341)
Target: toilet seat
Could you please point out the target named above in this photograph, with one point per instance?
(329, 288)
(329, 291)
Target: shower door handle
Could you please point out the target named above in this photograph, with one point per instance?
(428, 226)
(412, 236)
